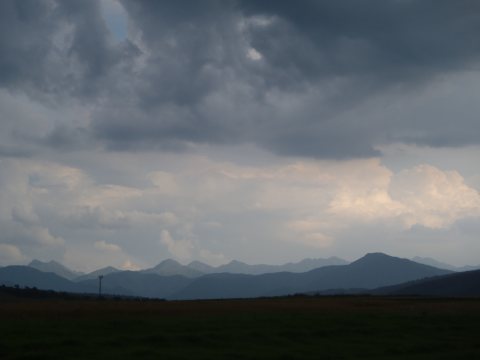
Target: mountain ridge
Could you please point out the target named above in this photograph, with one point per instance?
(170, 267)
(370, 272)
(441, 265)
(55, 267)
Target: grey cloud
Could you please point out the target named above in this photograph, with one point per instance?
(57, 48)
(191, 48)
(348, 52)
(14, 152)
(67, 138)
(393, 41)
(25, 32)
(183, 76)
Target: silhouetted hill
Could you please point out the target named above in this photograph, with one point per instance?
(27, 276)
(137, 283)
(95, 274)
(371, 271)
(463, 284)
(379, 268)
(56, 268)
(442, 265)
(171, 267)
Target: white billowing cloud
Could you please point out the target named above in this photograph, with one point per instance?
(44, 237)
(310, 232)
(29, 235)
(194, 207)
(212, 258)
(423, 195)
(129, 265)
(165, 182)
(434, 198)
(20, 216)
(109, 217)
(104, 246)
(10, 255)
(108, 194)
(316, 240)
(253, 54)
(181, 249)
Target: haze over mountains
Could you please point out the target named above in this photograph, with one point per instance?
(433, 262)
(371, 271)
(194, 269)
(56, 268)
(171, 280)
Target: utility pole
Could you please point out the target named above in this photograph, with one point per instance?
(100, 286)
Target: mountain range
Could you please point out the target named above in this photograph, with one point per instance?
(56, 268)
(26, 276)
(238, 267)
(170, 267)
(442, 265)
(371, 272)
(95, 274)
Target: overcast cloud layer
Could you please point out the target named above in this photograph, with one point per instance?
(265, 131)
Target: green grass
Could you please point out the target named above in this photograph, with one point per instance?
(296, 328)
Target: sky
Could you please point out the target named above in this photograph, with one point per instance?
(263, 131)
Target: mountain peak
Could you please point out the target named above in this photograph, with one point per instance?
(376, 261)
(170, 267)
(36, 262)
(376, 256)
(168, 262)
(200, 266)
(54, 267)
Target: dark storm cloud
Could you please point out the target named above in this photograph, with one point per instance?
(55, 47)
(14, 152)
(25, 34)
(190, 45)
(390, 41)
(284, 75)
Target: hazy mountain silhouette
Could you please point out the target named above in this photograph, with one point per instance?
(194, 269)
(202, 267)
(95, 274)
(27, 276)
(138, 283)
(171, 267)
(238, 267)
(441, 265)
(130, 283)
(461, 284)
(371, 271)
(310, 264)
(56, 268)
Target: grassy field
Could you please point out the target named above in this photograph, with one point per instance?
(283, 328)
